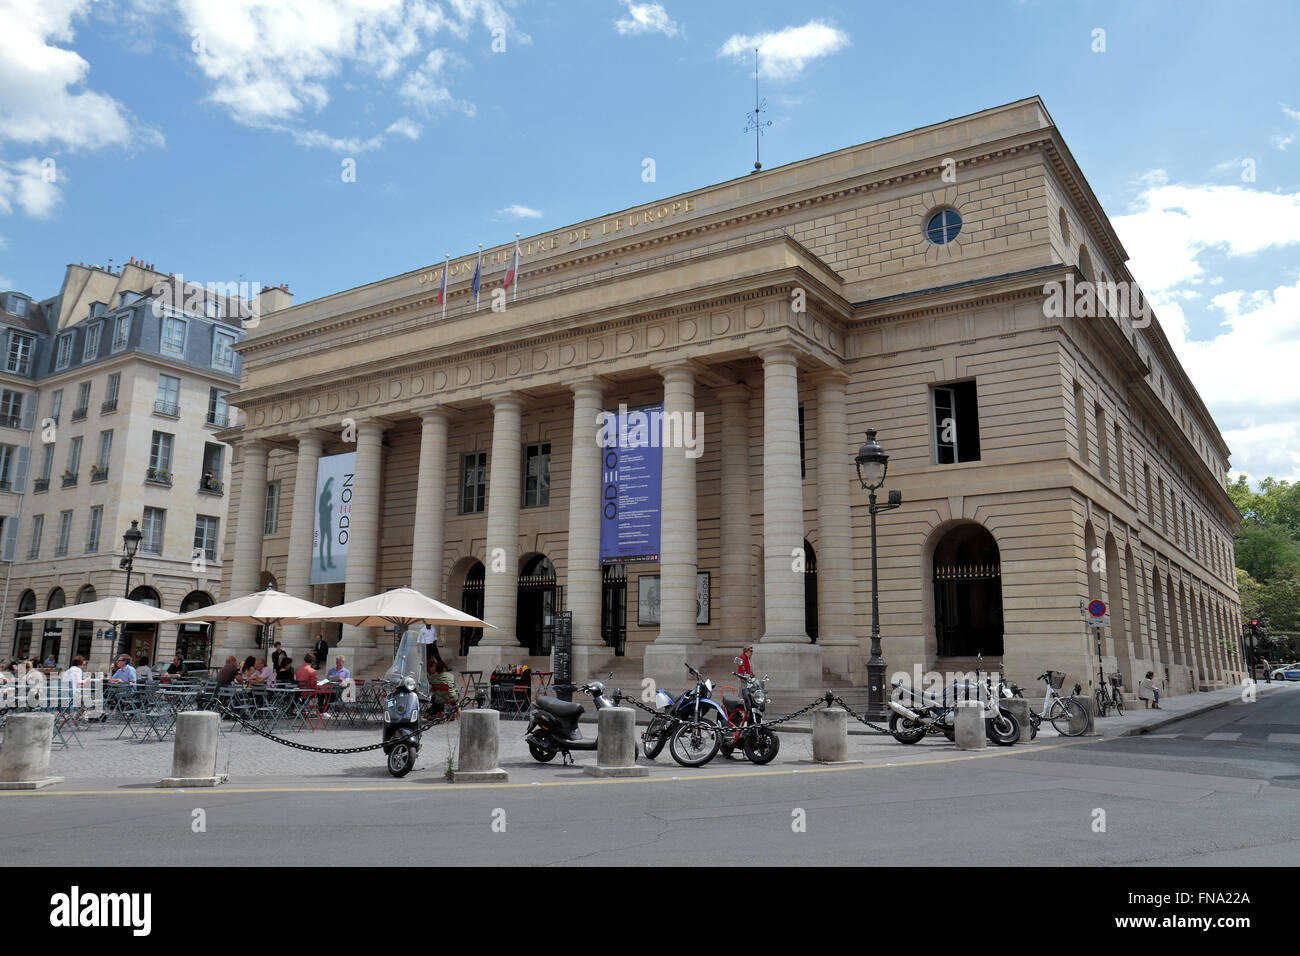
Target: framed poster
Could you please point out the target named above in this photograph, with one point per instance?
(702, 597)
(647, 599)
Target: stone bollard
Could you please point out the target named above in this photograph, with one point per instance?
(968, 721)
(480, 742)
(25, 754)
(830, 735)
(1020, 710)
(1089, 705)
(616, 744)
(194, 751)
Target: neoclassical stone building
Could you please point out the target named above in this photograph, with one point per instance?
(901, 285)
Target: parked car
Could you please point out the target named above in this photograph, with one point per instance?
(1287, 672)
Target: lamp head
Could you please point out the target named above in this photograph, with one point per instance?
(872, 462)
(131, 539)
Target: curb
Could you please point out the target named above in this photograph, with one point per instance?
(1194, 712)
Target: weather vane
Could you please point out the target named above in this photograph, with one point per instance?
(756, 122)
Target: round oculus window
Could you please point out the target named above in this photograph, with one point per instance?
(943, 227)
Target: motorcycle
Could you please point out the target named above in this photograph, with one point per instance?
(401, 727)
(1010, 689)
(657, 733)
(744, 722)
(695, 739)
(553, 724)
(915, 715)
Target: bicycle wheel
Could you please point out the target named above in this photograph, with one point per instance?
(1119, 704)
(1068, 717)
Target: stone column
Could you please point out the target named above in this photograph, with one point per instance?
(430, 504)
(363, 535)
(841, 651)
(785, 651)
(501, 585)
(302, 530)
(736, 522)
(250, 518)
(678, 537)
(582, 595)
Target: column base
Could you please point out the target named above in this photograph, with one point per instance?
(791, 666)
(845, 661)
(590, 661)
(665, 664)
(488, 657)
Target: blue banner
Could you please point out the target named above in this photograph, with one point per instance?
(631, 484)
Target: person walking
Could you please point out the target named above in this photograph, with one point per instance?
(744, 668)
(1268, 670)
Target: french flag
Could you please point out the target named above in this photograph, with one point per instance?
(513, 270)
(442, 288)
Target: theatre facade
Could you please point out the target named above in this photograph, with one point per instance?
(1049, 449)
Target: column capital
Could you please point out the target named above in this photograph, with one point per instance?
(739, 392)
(249, 446)
(373, 421)
(830, 376)
(780, 353)
(432, 413)
(588, 385)
(310, 434)
(678, 368)
(499, 399)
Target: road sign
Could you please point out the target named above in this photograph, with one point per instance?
(1097, 608)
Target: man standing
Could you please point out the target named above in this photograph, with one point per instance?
(321, 649)
(429, 635)
(277, 655)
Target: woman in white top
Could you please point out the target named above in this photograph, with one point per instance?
(142, 670)
(74, 676)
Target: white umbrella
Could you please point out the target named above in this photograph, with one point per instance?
(114, 610)
(261, 608)
(402, 607)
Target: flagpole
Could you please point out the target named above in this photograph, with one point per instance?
(516, 278)
(446, 261)
(479, 273)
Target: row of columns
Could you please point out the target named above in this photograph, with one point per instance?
(785, 649)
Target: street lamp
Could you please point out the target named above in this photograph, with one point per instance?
(872, 464)
(130, 545)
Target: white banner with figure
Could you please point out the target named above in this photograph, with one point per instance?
(334, 490)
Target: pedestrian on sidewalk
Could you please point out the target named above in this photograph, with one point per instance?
(1148, 690)
(1268, 670)
(744, 668)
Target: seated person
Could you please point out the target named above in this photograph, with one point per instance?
(284, 673)
(227, 674)
(339, 673)
(262, 674)
(143, 671)
(306, 675)
(247, 669)
(175, 669)
(123, 672)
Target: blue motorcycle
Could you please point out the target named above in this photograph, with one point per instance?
(695, 707)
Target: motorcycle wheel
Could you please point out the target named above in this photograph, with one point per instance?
(904, 730)
(1034, 721)
(400, 760)
(541, 754)
(654, 738)
(762, 746)
(1003, 730)
(950, 733)
(694, 745)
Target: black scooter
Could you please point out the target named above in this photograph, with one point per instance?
(401, 726)
(553, 724)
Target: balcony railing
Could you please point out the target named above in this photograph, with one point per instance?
(11, 421)
(69, 481)
(79, 414)
(98, 474)
(170, 409)
(211, 486)
(219, 419)
(41, 484)
(158, 476)
(108, 406)
(6, 484)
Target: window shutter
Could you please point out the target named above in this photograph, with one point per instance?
(29, 410)
(20, 472)
(10, 539)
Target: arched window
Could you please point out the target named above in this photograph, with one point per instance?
(83, 632)
(810, 591)
(471, 602)
(943, 227)
(967, 592)
(23, 629)
(194, 640)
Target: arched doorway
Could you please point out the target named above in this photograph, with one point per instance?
(810, 591)
(194, 640)
(471, 602)
(52, 632)
(538, 602)
(83, 632)
(23, 629)
(967, 593)
(141, 640)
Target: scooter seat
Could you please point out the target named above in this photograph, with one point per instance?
(560, 708)
(731, 703)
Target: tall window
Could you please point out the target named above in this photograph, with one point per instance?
(83, 400)
(173, 335)
(11, 408)
(1173, 506)
(160, 451)
(152, 526)
(47, 461)
(271, 523)
(218, 411)
(1103, 444)
(473, 493)
(223, 349)
(537, 475)
(92, 534)
(205, 535)
(34, 548)
(65, 530)
(20, 353)
(7, 455)
(1080, 423)
(64, 355)
(1164, 515)
(114, 387)
(168, 401)
(56, 404)
(214, 457)
(105, 448)
(1151, 505)
(92, 341)
(74, 455)
(121, 331)
(955, 423)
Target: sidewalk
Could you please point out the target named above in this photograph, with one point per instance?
(1139, 720)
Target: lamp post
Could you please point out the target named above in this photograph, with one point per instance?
(872, 464)
(130, 545)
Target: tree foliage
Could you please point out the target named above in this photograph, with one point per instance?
(1268, 552)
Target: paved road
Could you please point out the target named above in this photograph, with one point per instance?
(1222, 788)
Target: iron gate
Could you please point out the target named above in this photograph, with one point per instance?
(613, 607)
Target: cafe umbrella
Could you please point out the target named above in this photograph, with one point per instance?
(111, 610)
(260, 609)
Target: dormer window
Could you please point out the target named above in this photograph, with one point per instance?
(97, 308)
(92, 342)
(64, 356)
(173, 335)
(18, 305)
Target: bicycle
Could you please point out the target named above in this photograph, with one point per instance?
(1108, 700)
(1065, 714)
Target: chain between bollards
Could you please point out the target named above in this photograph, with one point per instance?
(440, 719)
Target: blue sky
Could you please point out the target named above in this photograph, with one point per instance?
(207, 136)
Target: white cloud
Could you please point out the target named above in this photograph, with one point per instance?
(316, 139)
(785, 53)
(516, 211)
(646, 18)
(26, 185)
(43, 98)
(423, 87)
